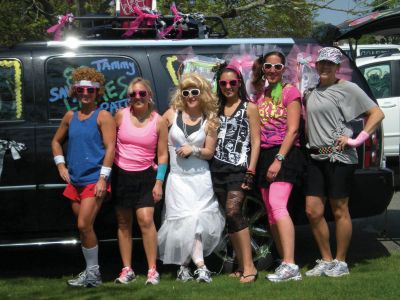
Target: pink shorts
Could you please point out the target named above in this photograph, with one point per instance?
(79, 193)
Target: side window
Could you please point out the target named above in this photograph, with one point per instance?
(11, 107)
(379, 79)
(118, 71)
(201, 64)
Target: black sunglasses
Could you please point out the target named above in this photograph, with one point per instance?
(193, 92)
(268, 66)
(141, 94)
(232, 82)
(88, 89)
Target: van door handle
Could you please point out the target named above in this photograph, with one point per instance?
(388, 106)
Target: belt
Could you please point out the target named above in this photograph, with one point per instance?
(324, 150)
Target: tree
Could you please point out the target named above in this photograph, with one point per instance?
(23, 20)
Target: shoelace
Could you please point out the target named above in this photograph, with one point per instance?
(124, 272)
(151, 273)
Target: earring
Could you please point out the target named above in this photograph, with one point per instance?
(263, 77)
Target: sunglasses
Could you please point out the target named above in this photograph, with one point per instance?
(192, 92)
(88, 89)
(141, 94)
(268, 66)
(232, 82)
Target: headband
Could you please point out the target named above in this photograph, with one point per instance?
(87, 83)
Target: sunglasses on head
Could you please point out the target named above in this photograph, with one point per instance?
(141, 94)
(88, 89)
(232, 82)
(192, 92)
(268, 66)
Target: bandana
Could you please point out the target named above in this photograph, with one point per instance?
(330, 54)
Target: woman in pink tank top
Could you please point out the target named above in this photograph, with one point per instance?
(141, 135)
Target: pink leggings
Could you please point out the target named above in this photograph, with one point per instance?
(276, 198)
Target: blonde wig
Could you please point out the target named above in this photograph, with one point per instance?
(147, 85)
(86, 73)
(208, 100)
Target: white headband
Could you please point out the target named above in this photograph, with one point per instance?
(87, 83)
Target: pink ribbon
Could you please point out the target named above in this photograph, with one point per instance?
(57, 29)
(148, 19)
(177, 17)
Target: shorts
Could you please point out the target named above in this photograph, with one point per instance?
(332, 179)
(133, 189)
(227, 182)
(78, 193)
(291, 171)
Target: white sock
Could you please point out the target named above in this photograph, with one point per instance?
(91, 256)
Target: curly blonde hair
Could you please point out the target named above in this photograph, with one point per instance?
(86, 73)
(208, 100)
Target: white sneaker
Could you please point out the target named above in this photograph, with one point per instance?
(126, 276)
(320, 267)
(203, 275)
(153, 277)
(184, 274)
(285, 272)
(339, 269)
(89, 278)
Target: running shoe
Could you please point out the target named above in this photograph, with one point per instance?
(184, 274)
(153, 277)
(203, 275)
(126, 276)
(339, 269)
(89, 278)
(285, 272)
(320, 267)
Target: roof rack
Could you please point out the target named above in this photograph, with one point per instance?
(101, 27)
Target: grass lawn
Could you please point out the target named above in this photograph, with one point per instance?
(372, 279)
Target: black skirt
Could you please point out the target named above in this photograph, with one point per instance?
(291, 171)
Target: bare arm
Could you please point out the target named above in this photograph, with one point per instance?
(209, 145)
(375, 117)
(56, 144)
(162, 154)
(108, 131)
(254, 121)
(169, 116)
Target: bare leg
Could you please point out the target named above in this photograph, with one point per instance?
(285, 229)
(344, 226)
(124, 219)
(315, 207)
(88, 210)
(146, 223)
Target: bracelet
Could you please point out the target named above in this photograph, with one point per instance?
(161, 170)
(59, 159)
(105, 172)
(196, 151)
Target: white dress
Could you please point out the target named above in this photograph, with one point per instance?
(191, 207)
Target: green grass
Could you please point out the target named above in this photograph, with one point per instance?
(371, 279)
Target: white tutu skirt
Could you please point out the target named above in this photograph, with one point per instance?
(191, 211)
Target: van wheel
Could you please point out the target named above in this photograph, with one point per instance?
(261, 239)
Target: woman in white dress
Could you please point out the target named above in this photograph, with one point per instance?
(192, 220)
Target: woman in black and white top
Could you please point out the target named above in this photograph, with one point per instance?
(234, 162)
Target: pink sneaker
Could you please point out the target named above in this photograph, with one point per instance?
(153, 277)
(126, 276)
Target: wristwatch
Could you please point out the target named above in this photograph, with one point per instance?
(280, 157)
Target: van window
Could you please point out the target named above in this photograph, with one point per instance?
(379, 79)
(11, 106)
(201, 64)
(118, 72)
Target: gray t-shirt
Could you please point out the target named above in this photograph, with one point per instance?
(329, 111)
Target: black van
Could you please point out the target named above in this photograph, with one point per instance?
(34, 83)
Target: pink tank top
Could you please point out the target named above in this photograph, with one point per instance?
(136, 147)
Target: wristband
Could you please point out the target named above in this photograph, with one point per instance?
(59, 159)
(360, 139)
(196, 151)
(105, 172)
(161, 170)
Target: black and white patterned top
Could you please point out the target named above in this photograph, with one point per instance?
(233, 142)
